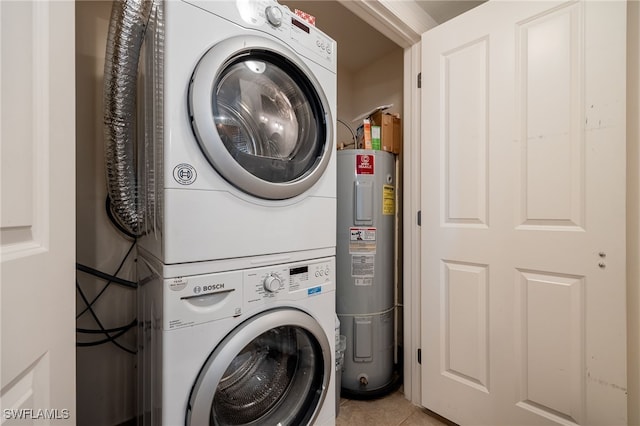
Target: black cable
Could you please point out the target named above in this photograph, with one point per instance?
(110, 279)
(106, 277)
(109, 330)
(95, 317)
(123, 330)
(107, 340)
(95, 299)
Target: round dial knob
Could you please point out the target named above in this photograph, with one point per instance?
(271, 283)
(274, 15)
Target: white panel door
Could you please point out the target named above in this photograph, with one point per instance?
(37, 212)
(523, 232)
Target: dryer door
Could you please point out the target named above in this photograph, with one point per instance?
(261, 117)
(272, 369)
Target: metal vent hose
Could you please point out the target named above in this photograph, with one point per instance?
(127, 27)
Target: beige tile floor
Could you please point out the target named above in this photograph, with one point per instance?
(392, 410)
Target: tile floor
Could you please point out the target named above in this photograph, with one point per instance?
(392, 410)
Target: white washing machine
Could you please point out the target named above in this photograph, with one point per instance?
(240, 342)
(239, 123)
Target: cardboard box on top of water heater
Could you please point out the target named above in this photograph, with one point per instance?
(381, 126)
(390, 131)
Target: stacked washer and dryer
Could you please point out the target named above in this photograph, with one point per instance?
(237, 177)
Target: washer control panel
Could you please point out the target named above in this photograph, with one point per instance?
(289, 281)
(191, 300)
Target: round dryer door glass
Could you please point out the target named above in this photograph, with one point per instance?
(261, 116)
(266, 120)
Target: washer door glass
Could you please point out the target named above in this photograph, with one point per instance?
(274, 377)
(261, 117)
(278, 377)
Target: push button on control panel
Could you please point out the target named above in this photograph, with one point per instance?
(322, 271)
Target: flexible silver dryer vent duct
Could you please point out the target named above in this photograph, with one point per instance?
(129, 19)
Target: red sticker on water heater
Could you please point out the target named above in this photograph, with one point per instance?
(364, 164)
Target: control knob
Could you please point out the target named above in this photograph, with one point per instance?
(274, 15)
(271, 283)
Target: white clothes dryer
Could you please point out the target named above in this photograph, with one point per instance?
(248, 346)
(239, 117)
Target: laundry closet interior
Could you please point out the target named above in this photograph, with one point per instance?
(510, 345)
(369, 74)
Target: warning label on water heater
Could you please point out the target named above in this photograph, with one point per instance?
(363, 282)
(388, 200)
(362, 240)
(364, 164)
(362, 266)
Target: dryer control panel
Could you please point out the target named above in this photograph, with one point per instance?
(270, 17)
(282, 22)
(294, 281)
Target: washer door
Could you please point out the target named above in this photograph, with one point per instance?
(260, 117)
(272, 369)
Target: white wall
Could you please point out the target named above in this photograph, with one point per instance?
(633, 211)
(345, 106)
(379, 83)
(105, 374)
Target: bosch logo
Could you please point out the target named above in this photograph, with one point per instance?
(207, 288)
(213, 287)
(184, 174)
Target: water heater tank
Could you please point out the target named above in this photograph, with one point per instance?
(365, 267)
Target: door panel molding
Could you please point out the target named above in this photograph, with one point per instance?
(24, 227)
(554, 252)
(37, 224)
